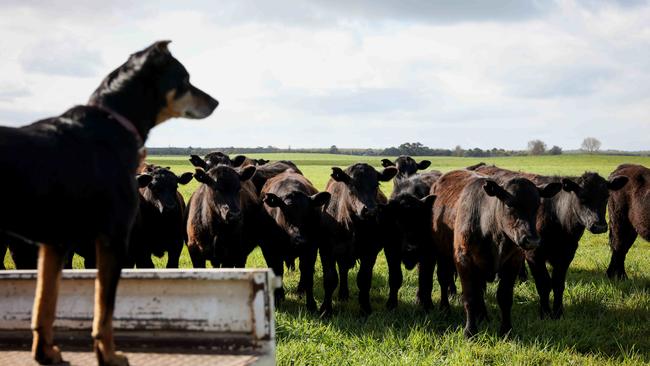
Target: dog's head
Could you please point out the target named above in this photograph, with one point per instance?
(155, 83)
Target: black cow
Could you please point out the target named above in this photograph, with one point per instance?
(221, 217)
(291, 227)
(71, 180)
(406, 166)
(159, 225)
(561, 221)
(351, 220)
(486, 226)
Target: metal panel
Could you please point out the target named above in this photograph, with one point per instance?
(220, 309)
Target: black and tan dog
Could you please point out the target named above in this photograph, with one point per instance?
(70, 179)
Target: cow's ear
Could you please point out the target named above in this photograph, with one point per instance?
(339, 175)
(549, 190)
(423, 164)
(262, 161)
(320, 199)
(272, 200)
(201, 176)
(386, 163)
(387, 174)
(494, 190)
(428, 200)
(247, 173)
(570, 186)
(617, 182)
(185, 178)
(143, 180)
(198, 162)
(238, 160)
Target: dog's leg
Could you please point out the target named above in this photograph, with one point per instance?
(108, 275)
(50, 262)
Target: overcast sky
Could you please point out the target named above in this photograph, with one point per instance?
(367, 73)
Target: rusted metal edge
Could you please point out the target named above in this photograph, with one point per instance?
(155, 341)
(197, 273)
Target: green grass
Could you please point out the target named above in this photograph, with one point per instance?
(606, 322)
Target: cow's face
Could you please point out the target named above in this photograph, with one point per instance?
(406, 165)
(517, 212)
(362, 182)
(224, 183)
(592, 193)
(162, 190)
(295, 212)
(412, 219)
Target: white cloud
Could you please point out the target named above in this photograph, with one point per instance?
(362, 74)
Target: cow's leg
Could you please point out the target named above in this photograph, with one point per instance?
(3, 251)
(108, 275)
(174, 254)
(274, 261)
(621, 237)
(472, 296)
(50, 263)
(344, 291)
(446, 282)
(307, 263)
(330, 279)
(507, 277)
(542, 279)
(364, 281)
(394, 275)
(558, 281)
(425, 281)
(196, 255)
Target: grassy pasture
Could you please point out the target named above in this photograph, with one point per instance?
(605, 322)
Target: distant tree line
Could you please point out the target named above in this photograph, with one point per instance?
(535, 147)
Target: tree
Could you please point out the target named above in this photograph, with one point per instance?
(536, 147)
(334, 149)
(458, 151)
(591, 145)
(555, 150)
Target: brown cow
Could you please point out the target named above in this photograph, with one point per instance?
(487, 225)
(561, 221)
(629, 215)
(220, 217)
(351, 219)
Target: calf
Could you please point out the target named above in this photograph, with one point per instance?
(487, 225)
(291, 224)
(406, 222)
(159, 225)
(406, 166)
(220, 217)
(561, 221)
(629, 215)
(351, 220)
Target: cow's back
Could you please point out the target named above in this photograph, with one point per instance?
(633, 200)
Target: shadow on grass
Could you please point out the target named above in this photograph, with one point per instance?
(591, 325)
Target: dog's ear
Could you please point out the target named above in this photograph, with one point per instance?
(162, 46)
(143, 180)
(185, 178)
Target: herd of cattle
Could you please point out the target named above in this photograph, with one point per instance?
(477, 224)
